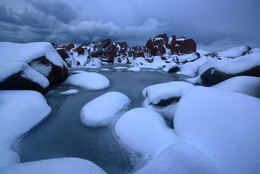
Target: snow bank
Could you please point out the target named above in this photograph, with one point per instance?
(145, 131)
(189, 69)
(102, 110)
(19, 112)
(244, 84)
(70, 92)
(14, 52)
(54, 166)
(234, 52)
(180, 158)
(8, 69)
(222, 124)
(88, 80)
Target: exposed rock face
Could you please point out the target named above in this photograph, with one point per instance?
(186, 45)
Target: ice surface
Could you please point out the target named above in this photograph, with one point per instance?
(88, 80)
(54, 166)
(244, 84)
(70, 92)
(14, 52)
(180, 158)
(8, 69)
(233, 52)
(102, 110)
(19, 112)
(222, 124)
(145, 131)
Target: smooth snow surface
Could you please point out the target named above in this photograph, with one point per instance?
(19, 112)
(70, 92)
(8, 69)
(189, 69)
(222, 124)
(54, 166)
(180, 158)
(145, 131)
(103, 109)
(233, 52)
(14, 52)
(88, 80)
(244, 84)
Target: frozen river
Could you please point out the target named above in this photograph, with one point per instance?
(63, 135)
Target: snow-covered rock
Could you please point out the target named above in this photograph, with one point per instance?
(189, 69)
(164, 97)
(234, 52)
(169, 66)
(41, 56)
(188, 57)
(134, 69)
(54, 166)
(222, 124)
(144, 131)
(244, 84)
(19, 112)
(19, 75)
(88, 80)
(70, 92)
(102, 110)
(180, 158)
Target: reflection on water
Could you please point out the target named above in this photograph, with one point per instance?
(62, 134)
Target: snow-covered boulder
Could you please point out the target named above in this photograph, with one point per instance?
(180, 158)
(187, 58)
(244, 84)
(164, 97)
(41, 56)
(189, 69)
(19, 112)
(248, 65)
(134, 69)
(144, 131)
(54, 166)
(19, 75)
(234, 52)
(102, 110)
(222, 124)
(88, 80)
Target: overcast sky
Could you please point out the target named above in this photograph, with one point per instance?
(213, 24)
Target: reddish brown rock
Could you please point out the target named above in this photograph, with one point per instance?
(187, 46)
(63, 53)
(80, 50)
(69, 47)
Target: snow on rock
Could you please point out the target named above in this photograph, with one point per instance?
(8, 69)
(234, 52)
(88, 80)
(188, 57)
(70, 92)
(164, 97)
(19, 112)
(222, 124)
(243, 84)
(144, 131)
(180, 158)
(134, 69)
(54, 166)
(189, 69)
(102, 110)
(169, 66)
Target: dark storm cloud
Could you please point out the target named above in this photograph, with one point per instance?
(213, 24)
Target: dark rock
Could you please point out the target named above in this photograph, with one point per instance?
(166, 102)
(80, 50)
(17, 82)
(69, 47)
(187, 46)
(63, 54)
(174, 69)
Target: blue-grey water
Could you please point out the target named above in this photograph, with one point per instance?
(62, 134)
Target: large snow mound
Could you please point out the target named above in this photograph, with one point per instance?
(54, 166)
(14, 52)
(244, 84)
(189, 69)
(102, 110)
(8, 69)
(222, 124)
(88, 80)
(145, 131)
(180, 158)
(234, 52)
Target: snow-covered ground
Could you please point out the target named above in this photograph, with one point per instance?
(104, 109)
(88, 80)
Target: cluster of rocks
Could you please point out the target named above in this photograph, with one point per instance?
(107, 50)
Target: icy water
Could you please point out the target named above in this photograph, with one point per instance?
(62, 134)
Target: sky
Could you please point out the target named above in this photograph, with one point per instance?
(214, 24)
